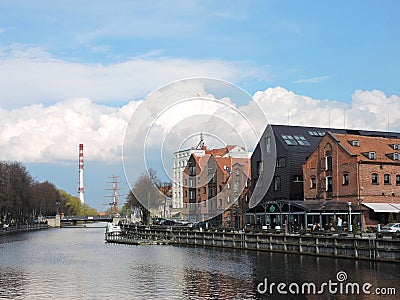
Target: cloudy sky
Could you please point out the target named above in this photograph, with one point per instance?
(75, 72)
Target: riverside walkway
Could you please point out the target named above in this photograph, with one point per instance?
(335, 245)
(16, 228)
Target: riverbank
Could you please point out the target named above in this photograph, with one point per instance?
(367, 248)
(23, 227)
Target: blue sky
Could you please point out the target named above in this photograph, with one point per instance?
(114, 52)
(323, 49)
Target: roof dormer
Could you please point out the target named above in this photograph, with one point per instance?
(370, 155)
(355, 143)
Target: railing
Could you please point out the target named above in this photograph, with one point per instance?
(311, 243)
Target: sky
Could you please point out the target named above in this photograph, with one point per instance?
(76, 71)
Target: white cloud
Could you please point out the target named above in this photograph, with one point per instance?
(38, 133)
(29, 75)
(371, 110)
(313, 79)
(51, 134)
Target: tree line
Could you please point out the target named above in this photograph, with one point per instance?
(24, 199)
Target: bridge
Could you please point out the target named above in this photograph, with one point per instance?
(85, 219)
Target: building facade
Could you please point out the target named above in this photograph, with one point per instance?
(362, 170)
(277, 188)
(212, 187)
(181, 159)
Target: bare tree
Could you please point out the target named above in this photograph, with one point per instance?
(145, 194)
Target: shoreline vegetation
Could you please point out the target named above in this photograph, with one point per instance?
(24, 200)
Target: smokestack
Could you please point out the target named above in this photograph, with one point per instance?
(80, 186)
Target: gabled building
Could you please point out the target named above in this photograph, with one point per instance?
(180, 161)
(356, 169)
(277, 188)
(211, 185)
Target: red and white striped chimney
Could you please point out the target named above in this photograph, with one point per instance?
(80, 185)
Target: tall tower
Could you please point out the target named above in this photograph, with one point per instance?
(80, 185)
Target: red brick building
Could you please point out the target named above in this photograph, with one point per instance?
(358, 169)
(212, 187)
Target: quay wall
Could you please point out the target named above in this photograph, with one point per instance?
(370, 248)
(23, 227)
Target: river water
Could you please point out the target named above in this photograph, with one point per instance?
(76, 263)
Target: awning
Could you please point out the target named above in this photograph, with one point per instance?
(383, 207)
(396, 205)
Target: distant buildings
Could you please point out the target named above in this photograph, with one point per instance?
(297, 177)
(212, 186)
(180, 162)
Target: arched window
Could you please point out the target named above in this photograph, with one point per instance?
(374, 178)
(313, 183)
(345, 179)
(386, 179)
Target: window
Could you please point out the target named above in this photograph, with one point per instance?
(204, 190)
(192, 194)
(313, 183)
(397, 179)
(220, 188)
(345, 179)
(212, 191)
(301, 140)
(396, 156)
(372, 155)
(355, 143)
(268, 145)
(281, 162)
(374, 178)
(288, 139)
(328, 162)
(329, 183)
(295, 139)
(259, 167)
(395, 146)
(386, 179)
(277, 183)
(297, 178)
(228, 199)
(316, 133)
(192, 182)
(205, 203)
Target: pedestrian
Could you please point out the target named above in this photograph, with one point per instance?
(339, 224)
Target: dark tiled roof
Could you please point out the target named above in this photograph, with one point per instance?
(314, 140)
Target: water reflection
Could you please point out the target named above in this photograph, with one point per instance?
(76, 263)
(12, 284)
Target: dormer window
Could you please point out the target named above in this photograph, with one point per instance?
(396, 156)
(395, 146)
(372, 155)
(355, 143)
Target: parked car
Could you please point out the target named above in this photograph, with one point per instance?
(391, 227)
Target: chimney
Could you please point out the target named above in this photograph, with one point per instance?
(80, 185)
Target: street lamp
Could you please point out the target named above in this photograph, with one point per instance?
(361, 216)
(350, 225)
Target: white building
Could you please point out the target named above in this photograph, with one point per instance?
(180, 161)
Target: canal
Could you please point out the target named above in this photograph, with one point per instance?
(76, 263)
